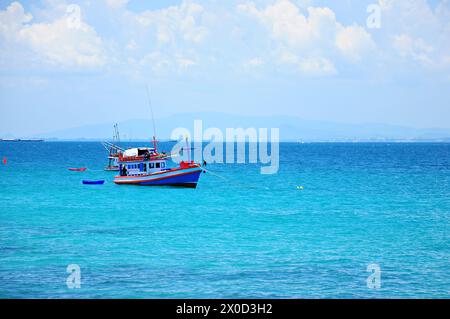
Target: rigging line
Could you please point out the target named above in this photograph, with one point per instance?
(234, 182)
(215, 174)
(151, 110)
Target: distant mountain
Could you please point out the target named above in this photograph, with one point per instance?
(291, 128)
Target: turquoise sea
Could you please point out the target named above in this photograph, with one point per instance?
(242, 234)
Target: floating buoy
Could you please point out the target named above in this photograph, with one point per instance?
(5, 160)
(300, 187)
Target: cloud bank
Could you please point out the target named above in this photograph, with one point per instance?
(199, 36)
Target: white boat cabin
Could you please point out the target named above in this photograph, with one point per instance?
(139, 151)
(145, 166)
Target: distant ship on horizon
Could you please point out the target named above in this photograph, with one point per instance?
(21, 140)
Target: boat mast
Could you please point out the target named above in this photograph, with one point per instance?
(153, 119)
(116, 137)
(188, 148)
(112, 150)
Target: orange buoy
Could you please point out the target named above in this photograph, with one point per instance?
(5, 160)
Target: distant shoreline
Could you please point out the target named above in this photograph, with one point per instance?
(97, 140)
(21, 140)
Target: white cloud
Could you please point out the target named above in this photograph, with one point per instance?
(294, 33)
(314, 66)
(64, 42)
(408, 16)
(132, 45)
(416, 49)
(63, 45)
(157, 61)
(418, 33)
(185, 62)
(317, 66)
(12, 20)
(175, 23)
(162, 64)
(316, 37)
(255, 62)
(116, 4)
(354, 42)
(286, 24)
(167, 41)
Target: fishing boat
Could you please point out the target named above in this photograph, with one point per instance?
(147, 167)
(113, 151)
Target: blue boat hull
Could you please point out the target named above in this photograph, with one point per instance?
(93, 182)
(188, 180)
(181, 178)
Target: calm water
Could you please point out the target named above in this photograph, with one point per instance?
(243, 235)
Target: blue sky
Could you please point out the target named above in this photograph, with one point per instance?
(311, 59)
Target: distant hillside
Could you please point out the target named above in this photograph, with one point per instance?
(291, 128)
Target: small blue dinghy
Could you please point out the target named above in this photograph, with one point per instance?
(89, 182)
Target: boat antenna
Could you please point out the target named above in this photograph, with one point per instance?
(153, 118)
